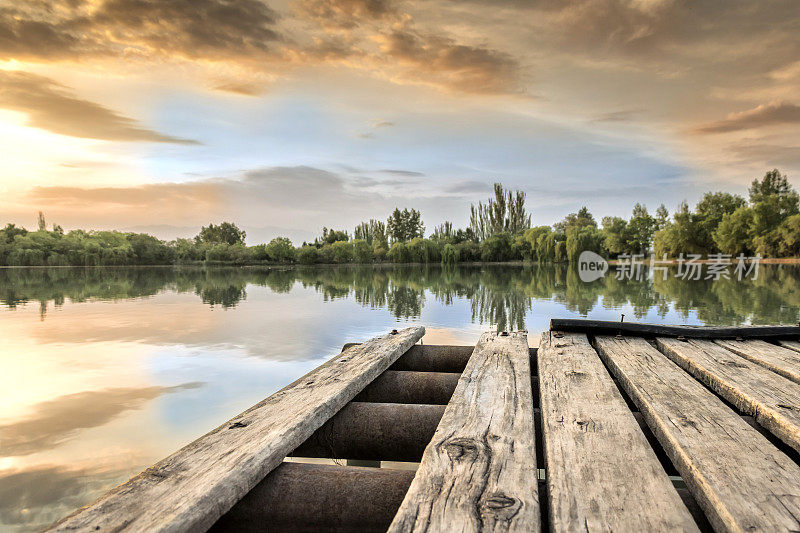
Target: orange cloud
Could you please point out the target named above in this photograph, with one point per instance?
(51, 107)
(763, 115)
(219, 29)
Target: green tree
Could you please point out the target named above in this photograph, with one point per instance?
(307, 255)
(449, 255)
(662, 217)
(581, 239)
(497, 247)
(227, 233)
(505, 213)
(640, 230)
(532, 236)
(773, 200)
(616, 235)
(789, 232)
(444, 232)
(330, 236)
(373, 232)
(398, 253)
(405, 225)
(733, 236)
(582, 218)
(362, 251)
(281, 250)
(680, 236)
(342, 251)
(42, 223)
(709, 213)
(10, 231)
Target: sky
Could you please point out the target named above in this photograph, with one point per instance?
(284, 116)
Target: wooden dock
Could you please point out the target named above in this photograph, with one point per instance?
(606, 427)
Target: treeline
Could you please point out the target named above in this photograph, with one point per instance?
(767, 223)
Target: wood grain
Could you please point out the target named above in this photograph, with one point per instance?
(607, 327)
(191, 489)
(780, 360)
(602, 474)
(790, 344)
(742, 481)
(772, 400)
(479, 471)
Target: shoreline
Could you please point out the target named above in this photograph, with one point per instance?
(200, 264)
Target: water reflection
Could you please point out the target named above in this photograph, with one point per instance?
(498, 295)
(106, 370)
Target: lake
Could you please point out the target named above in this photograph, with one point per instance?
(104, 371)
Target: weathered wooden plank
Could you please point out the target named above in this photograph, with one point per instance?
(790, 344)
(478, 473)
(602, 474)
(742, 482)
(607, 327)
(191, 489)
(772, 400)
(776, 358)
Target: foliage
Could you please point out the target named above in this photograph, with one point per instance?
(497, 248)
(505, 213)
(449, 254)
(583, 238)
(342, 252)
(280, 250)
(398, 253)
(405, 225)
(362, 251)
(226, 233)
(372, 232)
(330, 236)
(768, 223)
(307, 254)
(732, 236)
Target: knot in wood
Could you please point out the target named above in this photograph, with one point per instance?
(499, 501)
(236, 425)
(498, 506)
(734, 364)
(461, 449)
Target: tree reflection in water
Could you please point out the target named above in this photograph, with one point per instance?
(498, 295)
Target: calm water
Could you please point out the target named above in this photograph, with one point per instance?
(105, 371)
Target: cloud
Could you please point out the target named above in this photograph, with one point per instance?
(625, 115)
(252, 35)
(241, 88)
(50, 106)
(189, 28)
(772, 155)
(383, 124)
(442, 61)
(408, 173)
(58, 420)
(763, 115)
(301, 197)
(345, 14)
(468, 187)
(274, 193)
